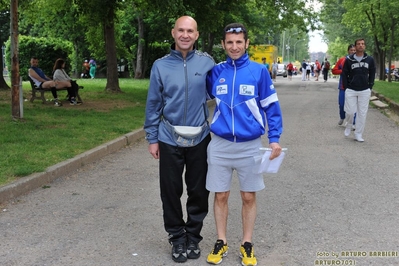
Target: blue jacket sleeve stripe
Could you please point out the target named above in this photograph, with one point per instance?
(271, 99)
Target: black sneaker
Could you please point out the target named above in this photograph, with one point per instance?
(179, 252)
(57, 103)
(73, 101)
(193, 250)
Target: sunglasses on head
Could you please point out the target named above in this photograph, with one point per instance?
(235, 30)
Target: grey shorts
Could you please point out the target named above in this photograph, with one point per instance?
(225, 156)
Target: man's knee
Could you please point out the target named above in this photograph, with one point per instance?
(47, 85)
(248, 197)
(221, 197)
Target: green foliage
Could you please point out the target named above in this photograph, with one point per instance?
(337, 49)
(47, 50)
(219, 55)
(82, 23)
(156, 50)
(4, 26)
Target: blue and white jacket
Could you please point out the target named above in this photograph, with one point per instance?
(245, 100)
(177, 94)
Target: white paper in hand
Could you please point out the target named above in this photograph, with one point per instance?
(270, 166)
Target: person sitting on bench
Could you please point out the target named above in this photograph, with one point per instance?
(59, 75)
(44, 82)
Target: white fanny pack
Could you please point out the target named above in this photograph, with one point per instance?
(188, 132)
(186, 136)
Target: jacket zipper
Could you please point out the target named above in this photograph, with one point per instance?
(232, 101)
(186, 91)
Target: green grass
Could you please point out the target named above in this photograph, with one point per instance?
(48, 135)
(388, 89)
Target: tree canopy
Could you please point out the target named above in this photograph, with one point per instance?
(137, 30)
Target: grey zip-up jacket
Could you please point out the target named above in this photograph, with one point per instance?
(177, 93)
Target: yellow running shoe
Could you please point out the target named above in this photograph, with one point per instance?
(247, 255)
(218, 252)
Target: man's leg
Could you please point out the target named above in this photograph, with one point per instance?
(350, 107)
(171, 164)
(195, 178)
(341, 103)
(51, 85)
(248, 215)
(248, 224)
(362, 108)
(221, 211)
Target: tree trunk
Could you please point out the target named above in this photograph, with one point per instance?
(15, 106)
(112, 65)
(139, 73)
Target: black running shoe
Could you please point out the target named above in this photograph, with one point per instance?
(193, 250)
(179, 252)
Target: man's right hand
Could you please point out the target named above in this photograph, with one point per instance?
(154, 150)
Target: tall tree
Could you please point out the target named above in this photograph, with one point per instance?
(103, 13)
(376, 16)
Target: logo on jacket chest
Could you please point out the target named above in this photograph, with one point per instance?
(248, 90)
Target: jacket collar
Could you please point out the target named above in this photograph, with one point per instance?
(178, 54)
(240, 62)
(352, 56)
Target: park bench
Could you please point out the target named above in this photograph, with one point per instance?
(36, 91)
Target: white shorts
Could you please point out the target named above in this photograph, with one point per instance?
(225, 156)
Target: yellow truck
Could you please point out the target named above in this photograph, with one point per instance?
(268, 51)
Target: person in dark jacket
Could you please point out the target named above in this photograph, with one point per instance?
(358, 76)
(178, 133)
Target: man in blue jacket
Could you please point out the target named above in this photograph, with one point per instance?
(177, 130)
(246, 103)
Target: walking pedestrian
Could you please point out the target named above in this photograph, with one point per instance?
(325, 68)
(93, 68)
(245, 100)
(274, 70)
(317, 69)
(178, 134)
(290, 68)
(303, 69)
(337, 70)
(358, 77)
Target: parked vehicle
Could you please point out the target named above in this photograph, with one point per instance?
(282, 70)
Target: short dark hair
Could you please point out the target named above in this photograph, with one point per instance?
(360, 39)
(235, 28)
(350, 46)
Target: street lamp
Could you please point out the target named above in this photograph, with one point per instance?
(288, 52)
(287, 47)
(295, 47)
